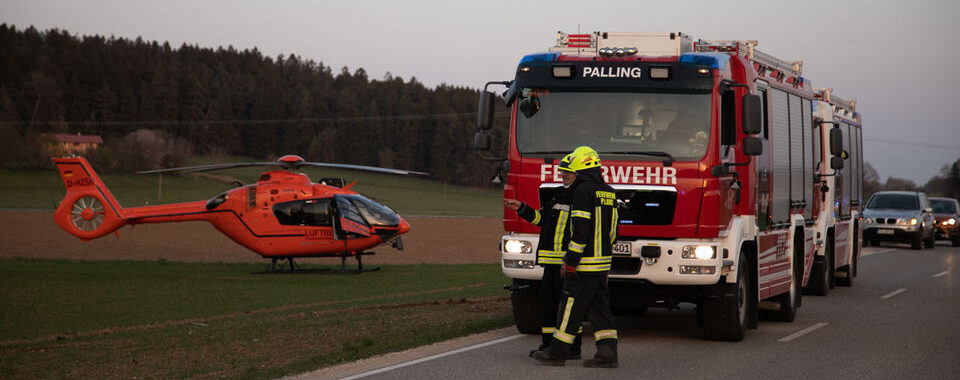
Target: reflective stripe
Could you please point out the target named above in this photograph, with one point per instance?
(561, 228)
(613, 226)
(605, 334)
(595, 260)
(547, 330)
(550, 260)
(536, 218)
(578, 248)
(563, 337)
(593, 267)
(597, 231)
(581, 214)
(566, 317)
(552, 253)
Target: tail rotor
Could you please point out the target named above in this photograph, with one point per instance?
(87, 214)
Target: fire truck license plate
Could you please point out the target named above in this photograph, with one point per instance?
(885, 232)
(622, 248)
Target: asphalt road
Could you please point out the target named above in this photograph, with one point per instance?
(901, 319)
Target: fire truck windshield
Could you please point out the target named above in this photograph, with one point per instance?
(675, 125)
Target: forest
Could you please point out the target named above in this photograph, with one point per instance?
(157, 105)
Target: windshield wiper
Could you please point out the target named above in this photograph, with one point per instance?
(668, 159)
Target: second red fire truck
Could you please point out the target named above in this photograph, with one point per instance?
(735, 179)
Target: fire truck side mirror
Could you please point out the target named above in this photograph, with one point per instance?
(485, 111)
(481, 141)
(752, 123)
(836, 142)
(836, 163)
(752, 146)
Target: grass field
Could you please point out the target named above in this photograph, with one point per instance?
(126, 319)
(42, 189)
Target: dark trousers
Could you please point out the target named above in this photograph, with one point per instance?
(585, 297)
(551, 289)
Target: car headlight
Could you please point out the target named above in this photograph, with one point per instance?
(868, 220)
(952, 221)
(517, 246)
(702, 252)
(913, 221)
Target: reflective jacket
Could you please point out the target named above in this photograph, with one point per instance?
(593, 224)
(554, 221)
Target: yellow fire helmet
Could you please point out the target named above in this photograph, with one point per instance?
(583, 157)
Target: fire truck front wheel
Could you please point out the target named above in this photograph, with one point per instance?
(846, 272)
(723, 307)
(525, 301)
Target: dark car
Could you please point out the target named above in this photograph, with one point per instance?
(947, 213)
(899, 216)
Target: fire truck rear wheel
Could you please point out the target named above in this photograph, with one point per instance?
(526, 309)
(723, 308)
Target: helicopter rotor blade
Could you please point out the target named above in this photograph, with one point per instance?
(203, 168)
(364, 168)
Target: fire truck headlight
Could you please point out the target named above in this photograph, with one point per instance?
(517, 246)
(702, 252)
(952, 221)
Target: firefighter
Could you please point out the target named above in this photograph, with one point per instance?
(586, 264)
(553, 218)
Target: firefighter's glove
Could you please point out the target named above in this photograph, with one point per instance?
(569, 272)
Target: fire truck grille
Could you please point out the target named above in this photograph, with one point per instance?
(646, 207)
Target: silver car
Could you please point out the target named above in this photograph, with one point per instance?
(899, 216)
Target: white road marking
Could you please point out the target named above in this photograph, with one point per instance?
(866, 253)
(893, 293)
(944, 273)
(802, 332)
(428, 358)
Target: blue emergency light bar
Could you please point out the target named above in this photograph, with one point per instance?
(713, 60)
(539, 57)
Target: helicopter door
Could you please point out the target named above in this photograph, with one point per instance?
(312, 213)
(350, 221)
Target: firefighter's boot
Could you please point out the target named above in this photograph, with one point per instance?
(545, 339)
(575, 348)
(606, 356)
(555, 354)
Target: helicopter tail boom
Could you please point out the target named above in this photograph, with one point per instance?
(88, 210)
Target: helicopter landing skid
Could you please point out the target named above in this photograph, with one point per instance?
(297, 269)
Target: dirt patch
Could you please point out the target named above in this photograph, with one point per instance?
(432, 240)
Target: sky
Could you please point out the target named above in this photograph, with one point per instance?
(893, 57)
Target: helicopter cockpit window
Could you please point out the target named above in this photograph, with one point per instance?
(349, 211)
(376, 214)
(310, 212)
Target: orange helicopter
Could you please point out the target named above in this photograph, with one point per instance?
(282, 216)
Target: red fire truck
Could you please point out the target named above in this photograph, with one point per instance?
(710, 147)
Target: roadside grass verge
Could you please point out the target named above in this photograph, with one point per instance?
(125, 319)
(408, 195)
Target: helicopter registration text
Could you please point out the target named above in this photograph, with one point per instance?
(78, 182)
(318, 234)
